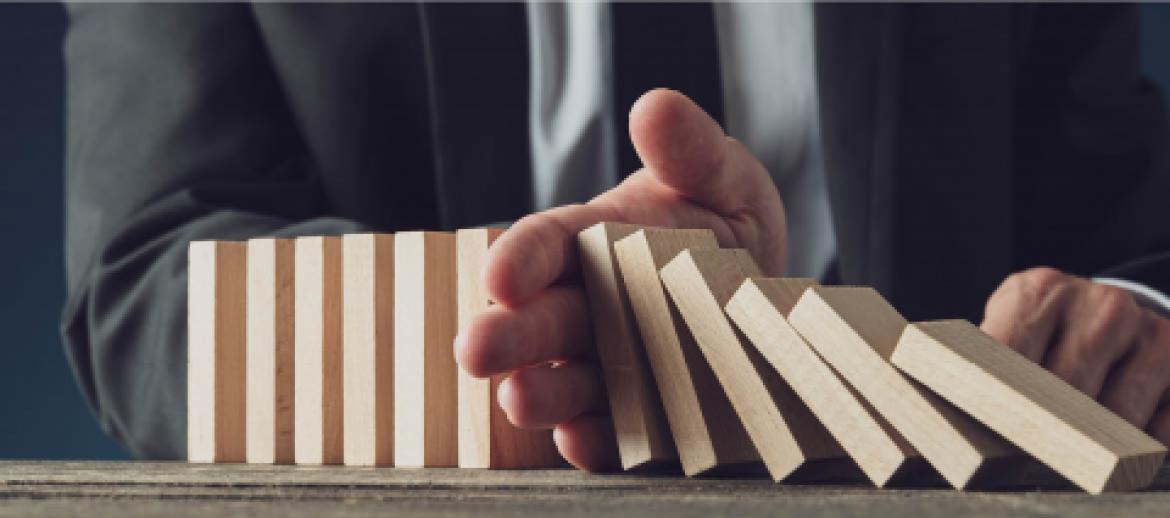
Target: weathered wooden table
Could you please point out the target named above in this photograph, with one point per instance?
(94, 489)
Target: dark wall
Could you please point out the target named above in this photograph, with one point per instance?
(42, 414)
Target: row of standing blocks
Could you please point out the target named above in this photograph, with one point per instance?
(330, 350)
(338, 350)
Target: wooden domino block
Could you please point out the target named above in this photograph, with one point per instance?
(425, 380)
(786, 434)
(855, 331)
(643, 435)
(217, 330)
(1046, 417)
(270, 351)
(706, 430)
(760, 309)
(368, 349)
(318, 356)
(486, 438)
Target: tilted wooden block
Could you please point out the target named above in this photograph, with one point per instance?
(1046, 417)
(706, 430)
(643, 435)
(318, 358)
(486, 438)
(425, 380)
(368, 349)
(760, 309)
(786, 434)
(216, 334)
(855, 331)
(270, 351)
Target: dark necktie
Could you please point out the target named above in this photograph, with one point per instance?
(662, 45)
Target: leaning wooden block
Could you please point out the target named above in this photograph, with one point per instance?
(760, 309)
(368, 349)
(270, 351)
(425, 381)
(786, 434)
(216, 334)
(643, 435)
(318, 358)
(486, 438)
(855, 331)
(1046, 417)
(706, 430)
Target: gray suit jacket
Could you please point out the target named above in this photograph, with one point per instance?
(962, 142)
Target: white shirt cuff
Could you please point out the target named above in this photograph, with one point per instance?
(1146, 296)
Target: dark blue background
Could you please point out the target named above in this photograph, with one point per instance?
(42, 414)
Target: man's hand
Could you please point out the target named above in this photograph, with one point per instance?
(1092, 335)
(539, 332)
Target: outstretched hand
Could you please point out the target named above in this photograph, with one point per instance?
(539, 333)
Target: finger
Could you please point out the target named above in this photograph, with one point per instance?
(588, 442)
(1135, 388)
(554, 327)
(1024, 311)
(537, 251)
(1159, 426)
(1100, 327)
(540, 397)
(688, 151)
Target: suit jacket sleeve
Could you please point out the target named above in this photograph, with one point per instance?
(177, 131)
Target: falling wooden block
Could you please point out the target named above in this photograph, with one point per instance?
(270, 351)
(706, 430)
(855, 331)
(760, 309)
(318, 387)
(486, 438)
(1037, 411)
(425, 380)
(368, 349)
(217, 330)
(786, 434)
(643, 435)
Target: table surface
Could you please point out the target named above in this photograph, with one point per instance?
(59, 488)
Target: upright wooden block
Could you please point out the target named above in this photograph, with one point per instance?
(270, 351)
(217, 330)
(643, 435)
(760, 309)
(855, 331)
(425, 380)
(706, 430)
(1037, 411)
(786, 434)
(486, 438)
(318, 359)
(368, 349)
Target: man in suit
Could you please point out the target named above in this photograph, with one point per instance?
(942, 154)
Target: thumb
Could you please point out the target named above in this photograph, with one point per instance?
(687, 150)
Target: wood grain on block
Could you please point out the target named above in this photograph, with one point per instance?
(1034, 409)
(425, 380)
(643, 435)
(760, 309)
(216, 355)
(368, 349)
(486, 438)
(786, 435)
(706, 430)
(270, 351)
(855, 330)
(318, 358)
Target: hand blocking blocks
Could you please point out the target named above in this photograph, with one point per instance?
(339, 350)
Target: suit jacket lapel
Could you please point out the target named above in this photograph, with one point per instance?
(477, 57)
